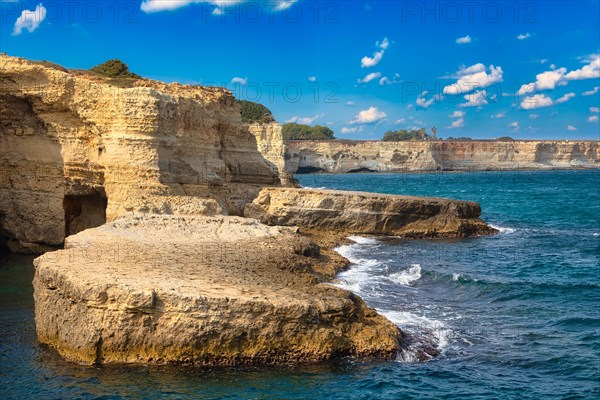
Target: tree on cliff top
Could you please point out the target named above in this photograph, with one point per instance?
(404, 135)
(114, 69)
(293, 131)
(255, 112)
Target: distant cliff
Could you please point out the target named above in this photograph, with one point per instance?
(342, 156)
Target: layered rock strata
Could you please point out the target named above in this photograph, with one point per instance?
(368, 213)
(343, 156)
(200, 291)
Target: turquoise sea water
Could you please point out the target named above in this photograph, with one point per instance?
(515, 316)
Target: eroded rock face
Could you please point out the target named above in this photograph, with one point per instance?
(152, 148)
(368, 213)
(360, 156)
(200, 291)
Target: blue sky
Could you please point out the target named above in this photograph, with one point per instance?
(481, 69)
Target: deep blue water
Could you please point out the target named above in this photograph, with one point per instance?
(515, 316)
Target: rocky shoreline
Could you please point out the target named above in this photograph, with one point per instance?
(181, 243)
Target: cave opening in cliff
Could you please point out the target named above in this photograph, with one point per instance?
(4, 237)
(84, 211)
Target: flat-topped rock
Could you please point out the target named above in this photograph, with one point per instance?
(368, 213)
(200, 291)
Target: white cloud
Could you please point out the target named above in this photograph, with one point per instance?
(544, 81)
(400, 121)
(593, 118)
(499, 115)
(387, 81)
(350, 103)
(475, 99)
(305, 120)
(524, 36)
(458, 123)
(534, 116)
(473, 77)
(370, 77)
(571, 128)
(464, 40)
(595, 109)
(241, 81)
(30, 20)
(536, 101)
(368, 116)
(457, 114)
(151, 6)
(422, 102)
(368, 62)
(514, 126)
(591, 92)
(312, 78)
(565, 98)
(590, 71)
(348, 130)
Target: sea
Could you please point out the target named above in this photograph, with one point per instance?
(511, 316)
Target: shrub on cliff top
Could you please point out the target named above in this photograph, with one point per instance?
(255, 112)
(293, 131)
(114, 69)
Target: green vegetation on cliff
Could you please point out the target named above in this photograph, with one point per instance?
(404, 135)
(255, 112)
(293, 131)
(114, 69)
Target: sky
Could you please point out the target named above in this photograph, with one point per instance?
(479, 69)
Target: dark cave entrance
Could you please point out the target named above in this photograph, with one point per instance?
(83, 212)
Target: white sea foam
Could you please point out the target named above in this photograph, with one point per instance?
(314, 188)
(363, 240)
(503, 229)
(407, 276)
(596, 234)
(363, 270)
(455, 277)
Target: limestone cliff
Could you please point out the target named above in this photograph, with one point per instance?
(200, 291)
(355, 156)
(378, 214)
(145, 186)
(76, 151)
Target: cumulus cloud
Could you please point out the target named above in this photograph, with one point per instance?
(595, 109)
(30, 20)
(350, 103)
(536, 101)
(534, 116)
(464, 40)
(368, 116)
(591, 92)
(514, 126)
(590, 71)
(593, 118)
(368, 62)
(474, 77)
(387, 81)
(524, 36)
(312, 78)
(370, 77)
(457, 114)
(347, 130)
(305, 120)
(565, 98)
(459, 123)
(571, 128)
(422, 100)
(238, 80)
(400, 121)
(499, 115)
(475, 99)
(544, 81)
